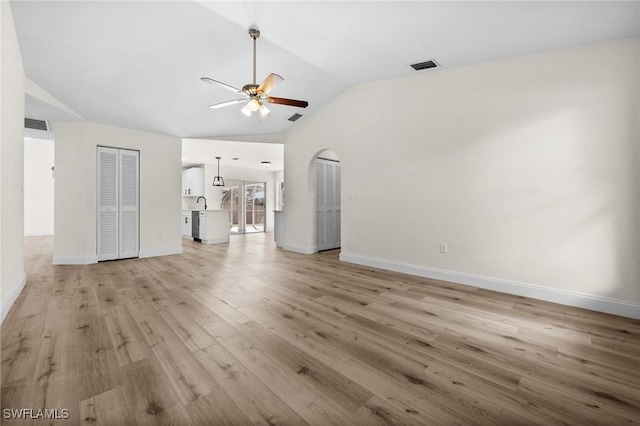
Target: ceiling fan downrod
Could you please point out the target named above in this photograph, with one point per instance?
(254, 34)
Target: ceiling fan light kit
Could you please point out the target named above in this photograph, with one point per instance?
(264, 111)
(253, 94)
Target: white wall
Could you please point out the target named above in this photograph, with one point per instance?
(12, 273)
(229, 173)
(527, 168)
(278, 177)
(39, 157)
(75, 189)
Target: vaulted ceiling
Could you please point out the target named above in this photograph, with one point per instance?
(138, 64)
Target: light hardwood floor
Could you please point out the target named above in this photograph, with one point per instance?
(246, 333)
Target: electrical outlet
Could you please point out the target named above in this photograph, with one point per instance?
(443, 248)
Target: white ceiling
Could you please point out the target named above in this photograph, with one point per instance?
(250, 155)
(138, 64)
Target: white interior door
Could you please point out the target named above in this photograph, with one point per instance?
(128, 208)
(321, 213)
(107, 203)
(328, 204)
(337, 208)
(118, 187)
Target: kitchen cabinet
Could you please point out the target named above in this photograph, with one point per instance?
(278, 227)
(193, 182)
(216, 227)
(186, 223)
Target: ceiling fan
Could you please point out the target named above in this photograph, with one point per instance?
(253, 94)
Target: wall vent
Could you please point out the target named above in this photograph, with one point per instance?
(294, 117)
(424, 65)
(31, 123)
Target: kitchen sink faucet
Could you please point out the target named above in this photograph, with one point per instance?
(205, 201)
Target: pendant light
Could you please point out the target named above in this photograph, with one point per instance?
(218, 180)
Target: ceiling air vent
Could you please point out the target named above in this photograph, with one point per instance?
(424, 65)
(31, 123)
(294, 117)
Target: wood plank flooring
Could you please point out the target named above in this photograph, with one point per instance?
(244, 333)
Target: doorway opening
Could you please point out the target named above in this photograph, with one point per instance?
(246, 203)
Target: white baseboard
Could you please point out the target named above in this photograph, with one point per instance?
(160, 252)
(300, 249)
(8, 300)
(38, 234)
(74, 260)
(594, 303)
(86, 260)
(216, 241)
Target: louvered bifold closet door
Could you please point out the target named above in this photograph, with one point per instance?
(328, 204)
(321, 209)
(329, 189)
(337, 206)
(107, 203)
(128, 182)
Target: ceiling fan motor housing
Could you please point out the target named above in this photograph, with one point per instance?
(250, 89)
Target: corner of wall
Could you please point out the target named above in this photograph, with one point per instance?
(12, 83)
(9, 299)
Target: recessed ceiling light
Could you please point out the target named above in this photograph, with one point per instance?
(235, 158)
(266, 163)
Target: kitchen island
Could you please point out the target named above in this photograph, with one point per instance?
(212, 226)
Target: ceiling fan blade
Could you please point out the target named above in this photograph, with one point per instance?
(227, 103)
(223, 85)
(269, 83)
(285, 101)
